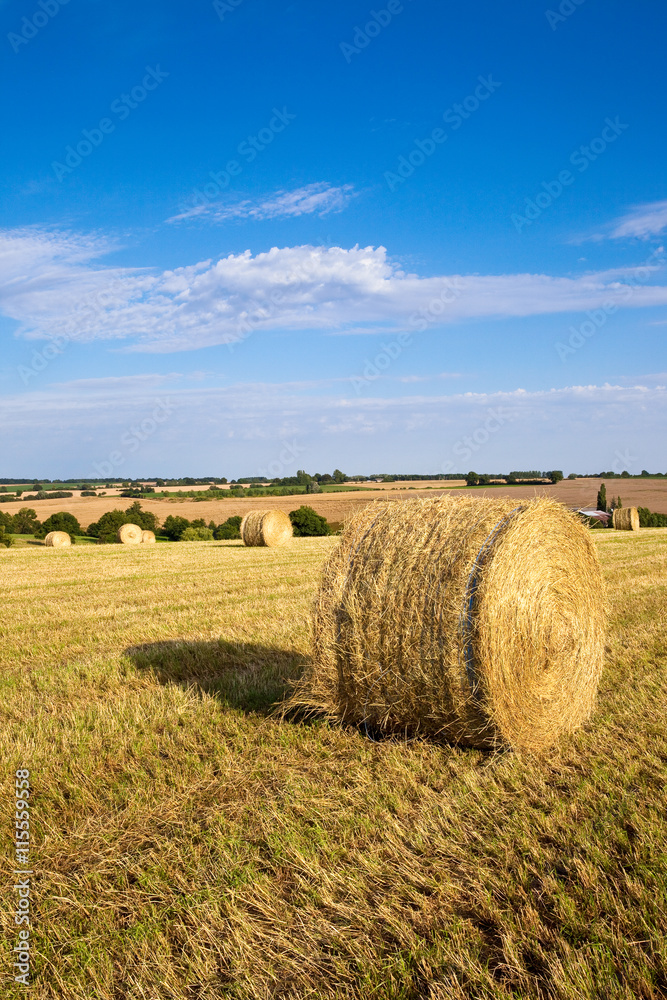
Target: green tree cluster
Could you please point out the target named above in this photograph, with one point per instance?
(307, 522)
(62, 521)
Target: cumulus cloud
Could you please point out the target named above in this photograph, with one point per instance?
(320, 198)
(53, 285)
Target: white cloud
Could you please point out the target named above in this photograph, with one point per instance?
(320, 198)
(52, 285)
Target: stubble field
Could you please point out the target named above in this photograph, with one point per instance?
(188, 845)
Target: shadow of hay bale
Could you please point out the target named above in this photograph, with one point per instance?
(243, 676)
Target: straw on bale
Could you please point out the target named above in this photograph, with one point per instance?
(476, 619)
(625, 519)
(148, 537)
(130, 534)
(58, 539)
(266, 527)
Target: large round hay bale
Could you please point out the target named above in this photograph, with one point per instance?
(148, 537)
(476, 619)
(58, 540)
(266, 527)
(130, 534)
(625, 519)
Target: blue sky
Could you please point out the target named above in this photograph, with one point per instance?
(242, 237)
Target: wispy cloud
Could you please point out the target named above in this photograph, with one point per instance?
(640, 222)
(52, 285)
(320, 198)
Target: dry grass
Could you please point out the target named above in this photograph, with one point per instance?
(467, 617)
(188, 846)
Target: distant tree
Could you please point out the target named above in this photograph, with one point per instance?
(649, 520)
(602, 498)
(6, 539)
(472, 479)
(62, 521)
(196, 535)
(645, 473)
(572, 475)
(145, 519)
(306, 521)
(25, 522)
(338, 476)
(555, 475)
(106, 529)
(625, 474)
(229, 529)
(174, 527)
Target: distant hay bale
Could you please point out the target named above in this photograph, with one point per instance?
(475, 619)
(58, 540)
(266, 527)
(626, 519)
(148, 537)
(130, 534)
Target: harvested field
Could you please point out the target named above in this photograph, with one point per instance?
(651, 493)
(187, 844)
